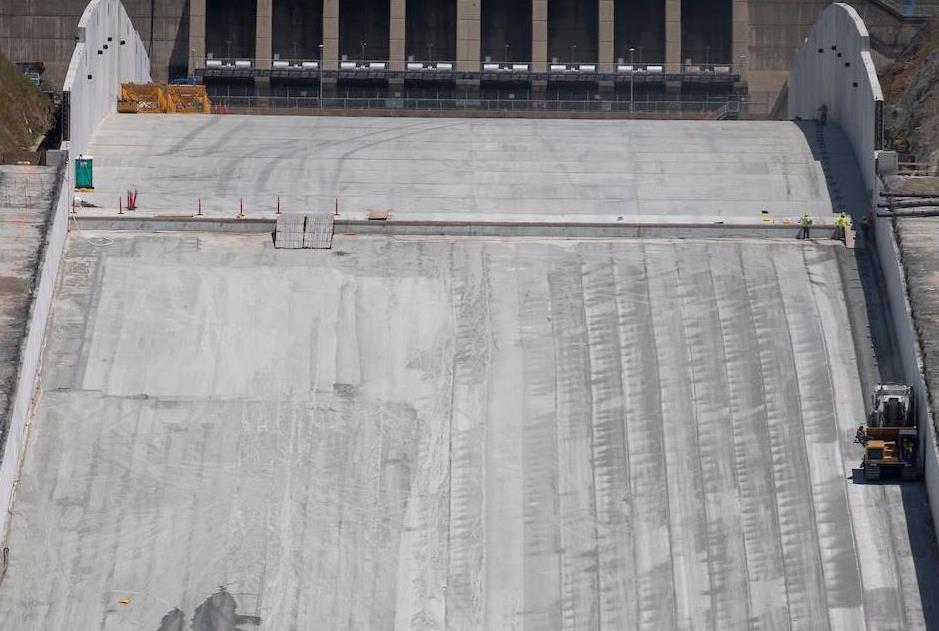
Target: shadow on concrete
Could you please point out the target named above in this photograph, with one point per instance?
(874, 342)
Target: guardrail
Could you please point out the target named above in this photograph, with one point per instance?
(618, 67)
(705, 108)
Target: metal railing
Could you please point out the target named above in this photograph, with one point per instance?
(707, 109)
(560, 68)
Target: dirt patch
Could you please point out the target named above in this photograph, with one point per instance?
(24, 110)
(11, 286)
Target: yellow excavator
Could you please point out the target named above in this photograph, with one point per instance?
(891, 436)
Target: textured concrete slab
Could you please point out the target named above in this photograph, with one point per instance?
(629, 169)
(26, 198)
(417, 433)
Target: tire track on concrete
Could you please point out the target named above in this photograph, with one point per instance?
(820, 438)
(472, 352)
(610, 461)
(648, 479)
(805, 585)
(708, 359)
(752, 465)
(542, 597)
(576, 509)
(504, 583)
(687, 517)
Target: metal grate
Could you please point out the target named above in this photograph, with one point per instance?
(289, 231)
(296, 231)
(318, 234)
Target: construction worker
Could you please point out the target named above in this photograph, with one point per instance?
(860, 436)
(842, 225)
(822, 115)
(805, 223)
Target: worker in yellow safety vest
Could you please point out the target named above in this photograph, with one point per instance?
(805, 223)
(842, 225)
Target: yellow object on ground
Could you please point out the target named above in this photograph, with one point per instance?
(187, 99)
(142, 99)
(162, 99)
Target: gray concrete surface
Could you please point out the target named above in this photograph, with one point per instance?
(416, 433)
(26, 200)
(692, 170)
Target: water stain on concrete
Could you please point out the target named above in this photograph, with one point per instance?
(219, 612)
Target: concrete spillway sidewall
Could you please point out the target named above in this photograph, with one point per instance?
(908, 351)
(99, 65)
(14, 441)
(834, 68)
(92, 86)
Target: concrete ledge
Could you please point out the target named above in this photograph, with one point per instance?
(566, 229)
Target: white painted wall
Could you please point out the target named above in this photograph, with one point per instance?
(834, 67)
(94, 80)
(91, 100)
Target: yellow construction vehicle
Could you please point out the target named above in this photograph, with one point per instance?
(891, 436)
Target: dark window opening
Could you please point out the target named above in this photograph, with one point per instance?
(297, 29)
(430, 30)
(706, 32)
(505, 30)
(640, 25)
(572, 31)
(363, 29)
(230, 28)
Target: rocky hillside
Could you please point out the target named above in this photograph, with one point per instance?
(911, 92)
(24, 110)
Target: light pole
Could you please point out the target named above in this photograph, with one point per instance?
(320, 85)
(573, 51)
(430, 51)
(506, 53)
(228, 45)
(632, 73)
(364, 44)
(707, 56)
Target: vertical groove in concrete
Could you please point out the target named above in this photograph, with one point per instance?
(605, 36)
(467, 35)
(262, 40)
(330, 60)
(396, 31)
(539, 35)
(196, 34)
(672, 36)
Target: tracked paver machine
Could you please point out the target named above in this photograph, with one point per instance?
(891, 436)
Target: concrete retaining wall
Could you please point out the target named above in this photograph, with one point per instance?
(109, 52)
(93, 83)
(31, 354)
(908, 349)
(834, 67)
(567, 230)
(849, 86)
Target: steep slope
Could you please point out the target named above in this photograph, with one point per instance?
(24, 110)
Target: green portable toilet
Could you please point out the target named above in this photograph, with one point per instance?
(84, 176)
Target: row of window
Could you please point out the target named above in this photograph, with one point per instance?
(505, 30)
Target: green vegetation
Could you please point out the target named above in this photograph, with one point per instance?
(24, 110)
